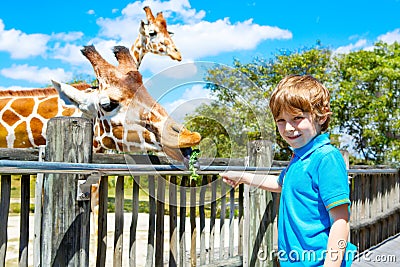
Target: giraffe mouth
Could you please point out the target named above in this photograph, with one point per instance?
(177, 136)
(174, 54)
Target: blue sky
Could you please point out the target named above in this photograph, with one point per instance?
(41, 40)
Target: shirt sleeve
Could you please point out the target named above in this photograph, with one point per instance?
(281, 176)
(333, 180)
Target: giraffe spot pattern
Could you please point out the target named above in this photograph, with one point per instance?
(3, 134)
(4, 102)
(21, 138)
(23, 106)
(46, 108)
(36, 128)
(108, 142)
(68, 111)
(10, 117)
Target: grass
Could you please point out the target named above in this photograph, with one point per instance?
(128, 194)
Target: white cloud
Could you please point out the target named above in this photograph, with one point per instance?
(68, 37)
(14, 88)
(211, 38)
(36, 74)
(69, 53)
(348, 48)
(22, 45)
(90, 12)
(180, 9)
(390, 37)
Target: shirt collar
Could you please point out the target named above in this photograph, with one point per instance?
(317, 142)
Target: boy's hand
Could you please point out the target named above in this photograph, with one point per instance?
(233, 178)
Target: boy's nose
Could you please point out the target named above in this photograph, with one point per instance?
(289, 127)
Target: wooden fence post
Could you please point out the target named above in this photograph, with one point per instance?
(65, 223)
(260, 211)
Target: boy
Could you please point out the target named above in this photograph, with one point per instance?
(314, 208)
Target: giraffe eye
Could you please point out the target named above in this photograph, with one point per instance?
(152, 33)
(171, 34)
(110, 106)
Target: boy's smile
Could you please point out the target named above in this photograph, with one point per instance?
(297, 130)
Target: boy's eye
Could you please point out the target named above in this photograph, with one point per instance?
(298, 118)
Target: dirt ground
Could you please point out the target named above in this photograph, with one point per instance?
(141, 247)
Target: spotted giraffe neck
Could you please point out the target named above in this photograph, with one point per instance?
(24, 115)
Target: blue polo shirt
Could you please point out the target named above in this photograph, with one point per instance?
(314, 182)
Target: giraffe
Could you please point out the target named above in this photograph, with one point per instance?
(155, 38)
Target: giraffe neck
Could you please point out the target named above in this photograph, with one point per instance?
(23, 119)
(139, 50)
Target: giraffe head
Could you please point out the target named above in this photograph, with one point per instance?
(154, 38)
(127, 117)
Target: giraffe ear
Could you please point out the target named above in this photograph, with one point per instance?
(142, 27)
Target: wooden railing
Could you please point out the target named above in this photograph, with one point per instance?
(215, 213)
(210, 224)
(375, 209)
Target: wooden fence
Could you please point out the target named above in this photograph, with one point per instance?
(225, 227)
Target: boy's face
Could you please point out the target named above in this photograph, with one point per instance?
(298, 130)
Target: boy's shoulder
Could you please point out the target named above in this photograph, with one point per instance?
(326, 153)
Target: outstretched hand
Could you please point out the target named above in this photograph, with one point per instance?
(233, 178)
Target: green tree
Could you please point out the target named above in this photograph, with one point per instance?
(367, 98)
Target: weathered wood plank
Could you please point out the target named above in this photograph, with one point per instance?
(182, 221)
(241, 219)
(231, 222)
(203, 251)
(213, 215)
(193, 229)
(101, 246)
(119, 221)
(159, 261)
(222, 225)
(65, 225)
(28, 154)
(133, 227)
(24, 221)
(261, 209)
(4, 207)
(38, 212)
(152, 222)
(173, 222)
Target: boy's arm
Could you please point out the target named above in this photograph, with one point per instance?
(266, 182)
(338, 235)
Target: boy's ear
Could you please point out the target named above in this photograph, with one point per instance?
(322, 120)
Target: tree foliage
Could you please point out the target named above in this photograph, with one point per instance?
(366, 101)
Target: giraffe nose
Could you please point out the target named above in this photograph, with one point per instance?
(174, 54)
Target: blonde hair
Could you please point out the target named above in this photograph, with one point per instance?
(296, 93)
